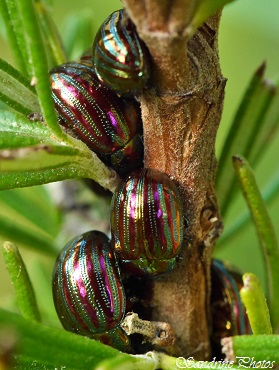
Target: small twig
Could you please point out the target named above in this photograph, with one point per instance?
(154, 332)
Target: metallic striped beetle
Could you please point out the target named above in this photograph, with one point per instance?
(147, 222)
(109, 125)
(228, 313)
(121, 59)
(88, 294)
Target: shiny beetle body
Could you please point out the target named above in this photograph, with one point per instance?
(93, 113)
(87, 290)
(147, 223)
(228, 313)
(130, 157)
(120, 58)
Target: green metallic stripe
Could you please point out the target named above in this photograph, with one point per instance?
(82, 319)
(74, 122)
(66, 280)
(74, 102)
(104, 118)
(150, 204)
(140, 226)
(115, 289)
(102, 296)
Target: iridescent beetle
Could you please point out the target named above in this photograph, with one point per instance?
(147, 223)
(121, 59)
(228, 313)
(109, 125)
(88, 294)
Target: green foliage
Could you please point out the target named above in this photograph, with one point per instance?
(38, 63)
(53, 44)
(255, 121)
(52, 347)
(266, 233)
(24, 291)
(16, 91)
(31, 155)
(257, 348)
(252, 296)
(29, 217)
(204, 9)
(269, 194)
(35, 153)
(78, 34)
(9, 12)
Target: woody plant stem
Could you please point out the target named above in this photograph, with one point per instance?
(181, 112)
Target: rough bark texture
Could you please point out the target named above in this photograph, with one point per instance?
(181, 112)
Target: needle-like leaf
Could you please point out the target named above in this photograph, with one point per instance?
(48, 346)
(253, 298)
(266, 233)
(16, 91)
(269, 193)
(31, 155)
(78, 34)
(23, 288)
(253, 123)
(12, 20)
(247, 350)
(29, 218)
(54, 48)
(38, 60)
(204, 9)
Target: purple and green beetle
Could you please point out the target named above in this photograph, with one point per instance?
(229, 316)
(121, 60)
(87, 290)
(108, 125)
(147, 223)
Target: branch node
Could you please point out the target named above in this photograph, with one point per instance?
(157, 333)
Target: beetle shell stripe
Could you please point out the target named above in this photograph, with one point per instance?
(87, 290)
(228, 313)
(92, 112)
(121, 59)
(147, 220)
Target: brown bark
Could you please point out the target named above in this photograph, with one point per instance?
(181, 111)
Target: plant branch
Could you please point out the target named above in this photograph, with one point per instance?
(161, 25)
(181, 111)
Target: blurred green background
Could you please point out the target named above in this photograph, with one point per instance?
(248, 36)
